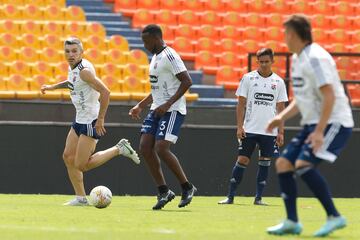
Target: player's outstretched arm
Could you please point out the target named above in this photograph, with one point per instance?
(136, 110)
(87, 76)
(46, 87)
(185, 84)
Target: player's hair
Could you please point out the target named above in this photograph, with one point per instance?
(301, 25)
(74, 41)
(153, 29)
(265, 52)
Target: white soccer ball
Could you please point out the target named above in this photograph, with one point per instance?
(100, 197)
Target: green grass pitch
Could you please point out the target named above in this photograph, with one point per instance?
(44, 217)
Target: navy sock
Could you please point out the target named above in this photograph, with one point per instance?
(237, 174)
(163, 189)
(319, 187)
(289, 193)
(261, 177)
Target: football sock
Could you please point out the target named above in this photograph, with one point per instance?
(288, 190)
(186, 186)
(237, 174)
(261, 177)
(319, 187)
(163, 189)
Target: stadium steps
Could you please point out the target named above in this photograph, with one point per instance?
(208, 91)
(215, 101)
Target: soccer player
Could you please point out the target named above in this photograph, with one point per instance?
(169, 81)
(86, 90)
(327, 123)
(261, 93)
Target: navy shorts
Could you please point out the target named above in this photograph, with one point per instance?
(335, 138)
(166, 127)
(267, 145)
(86, 129)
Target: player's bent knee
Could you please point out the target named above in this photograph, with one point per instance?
(68, 159)
(243, 160)
(303, 164)
(162, 147)
(81, 167)
(283, 165)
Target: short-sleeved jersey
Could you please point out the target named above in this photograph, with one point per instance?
(163, 68)
(262, 95)
(83, 96)
(311, 69)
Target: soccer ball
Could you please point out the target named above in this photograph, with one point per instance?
(100, 197)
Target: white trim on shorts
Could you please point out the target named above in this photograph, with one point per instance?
(328, 139)
(168, 135)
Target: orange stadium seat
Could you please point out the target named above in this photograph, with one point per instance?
(184, 47)
(188, 17)
(339, 36)
(320, 36)
(4, 92)
(61, 69)
(321, 6)
(338, 47)
(193, 5)
(166, 16)
(211, 18)
(355, 21)
(95, 28)
(300, 6)
(74, 13)
(206, 44)
(51, 41)
(134, 86)
(118, 42)
(355, 36)
(227, 44)
(30, 40)
(138, 56)
(95, 56)
(215, 5)
(258, 6)
(148, 4)
(228, 77)
(274, 33)
(115, 88)
(208, 31)
(19, 67)
(354, 92)
(39, 3)
(276, 46)
(32, 11)
(10, 11)
(132, 69)
(239, 6)
(142, 17)
(168, 33)
(340, 21)
(74, 29)
(279, 6)
(50, 55)
(185, 30)
(7, 54)
(8, 39)
(20, 85)
(95, 41)
(173, 5)
(53, 28)
(32, 27)
(252, 32)
(60, 3)
(321, 21)
(248, 46)
(4, 70)
(111, 69)
(28, 54)
(232, 18)
(229, 59)
(230, 32)
(207, 62)
(343, 7)
(116, 56)
(9, 26)
(53, 13)
(14, 2)
(126, 7)
(42, 68)
(37, 81)
(253, 19)
(274, 19)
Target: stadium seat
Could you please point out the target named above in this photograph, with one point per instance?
(248, 46)
(184, 47)
(168, 33)
(19, 67)
(301, 6)
(10, 11)
(20, 85)
(274, 19)
(95, 41)
(343, 7)
(51, 41)
(206, 44)
(227, 44)
(354, 93)
(257, 6)
(228, 77)
(188, 17)
(239, 6)
(7, 54)
(37, 81)
(59, 3)
(42, 68)
(173, 5)
(116, 56)
(206, 61)
(185, 30)
(233, 19)
(134, 86)
(193, 5)
(74, 29)
(166, 16)
(148, 4)
(61, 69)
(50, 55)
(28, 54)
(4, 92)
(320, 36)
(355, 36)
(132, 69)
(142, 17)
(31, 27)
(278, 6)
(39, 3)
(31, 11)
(118, 42)
(339, 36)
(53, 28)
(53, 13)
(210, 18)
(321, 21)
(322, 7)
(115, 89)
(126, 7)
(95, 28)
(74, 13)
(253, 33)
(8, 39)
(229, 32)
(274, 33)
(230, 59)
(30, 40)
(253, 19)
(138, 56)
(95, 56)
(338, 47)
(111, 69)
(276, 46)
(208, 31)
(4, 69)
(9, 26)
(340, 21)
(14, 2)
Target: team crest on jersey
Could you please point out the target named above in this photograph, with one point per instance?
(273, 86)
(155, 66)
(74, 78)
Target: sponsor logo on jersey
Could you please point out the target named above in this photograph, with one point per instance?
(298, 82)
(70, 86)
(153, 79)
(264, 96)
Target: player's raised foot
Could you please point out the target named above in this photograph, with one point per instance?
(260, 202)
(126, 150)
(77, 202)
(285, 228)
(187, 196)
(163, 199)
(227, 200)
(332, 224)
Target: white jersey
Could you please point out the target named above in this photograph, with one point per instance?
(311, 70)
(83, 96)
(163, 68)
(262, 95)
